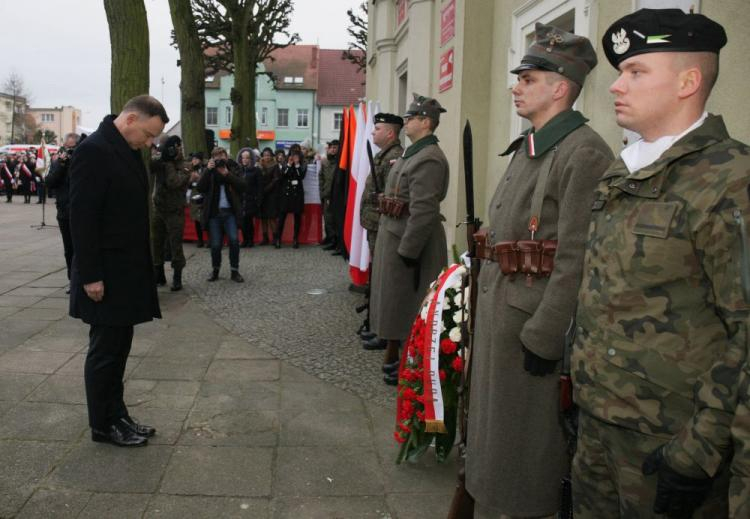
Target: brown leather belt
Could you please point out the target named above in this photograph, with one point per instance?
(534, 258)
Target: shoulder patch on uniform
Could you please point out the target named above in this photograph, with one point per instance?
(655, 218)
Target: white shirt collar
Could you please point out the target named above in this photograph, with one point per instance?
(640, 154)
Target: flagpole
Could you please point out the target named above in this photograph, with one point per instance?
(42, 154)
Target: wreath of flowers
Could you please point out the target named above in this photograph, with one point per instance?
(413, 432)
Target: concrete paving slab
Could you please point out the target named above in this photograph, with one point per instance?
(251, 428)
(24, 464)
(7, 311)
(169, 423)
(54, 504)
(160, 394)
(235, 396)
(100, 467)
(291, 373)
(44, 314)
(241, 370)
(419, 506)
(5, 407)
(359, 507)
(64, 389)
(17, 329)
(52, 302)
(120, 506)
(25, 361)
(42, 421)
(319, 395)
(300, 427)
(60, 344)
(14, 387)
(30, 290)
(223, 471)
(424, 475)
(238, 349)
(327, 471)
(195, 507)
(170, 369)
(19, 301)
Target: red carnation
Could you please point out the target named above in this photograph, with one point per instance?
(442, 375)
(408, 408)
(409, 394)
(447, 346)
(458, 364)
(403, 427)
(399, 437)
(420, 416)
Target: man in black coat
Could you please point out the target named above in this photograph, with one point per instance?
(112, 279)
(58, 179)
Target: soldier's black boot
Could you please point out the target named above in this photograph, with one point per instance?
(159, 275)
(176, 280)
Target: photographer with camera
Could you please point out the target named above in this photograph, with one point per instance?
(292, 195)
(222, 186)
(168, 222)
(195, 199)
(58, 179)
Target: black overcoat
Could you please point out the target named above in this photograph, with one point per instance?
(292, 191)
(109, 223)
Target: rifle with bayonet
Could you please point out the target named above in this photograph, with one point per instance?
(462, 505)
(365, 326)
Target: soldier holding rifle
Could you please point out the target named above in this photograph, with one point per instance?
(532, 252)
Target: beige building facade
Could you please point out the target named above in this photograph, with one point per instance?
(6, 116)
(60, 119)
(461, 51)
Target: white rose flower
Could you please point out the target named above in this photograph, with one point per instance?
(457, 317)
(458, 299)
(455, 334)
(442, 326)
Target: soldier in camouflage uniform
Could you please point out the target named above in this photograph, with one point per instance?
(171, 179)
(384, 136)
(325, 182)
(662, 322)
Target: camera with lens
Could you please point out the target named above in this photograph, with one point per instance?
(65, 153)
(221, 163)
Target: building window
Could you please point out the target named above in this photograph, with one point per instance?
(338, 120)
(302, 117)
(228, 114)
(48, 118)
(282, 117)
(288, 80)
(264, 116)
(298, 80)
(212, 115)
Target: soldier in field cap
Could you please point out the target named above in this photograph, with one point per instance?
(662, 316)
(411, 248)
(516, 448)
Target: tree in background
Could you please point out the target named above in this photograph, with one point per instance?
(236, 36)
(49, 137)
(192, 76)
(128, 35)
(357, 50)
(20, 98)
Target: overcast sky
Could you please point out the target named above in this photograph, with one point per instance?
(60, 48)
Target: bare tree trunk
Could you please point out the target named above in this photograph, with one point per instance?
(192, 79)
(128, 35)
(243, 93)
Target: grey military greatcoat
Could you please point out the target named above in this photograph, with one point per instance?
(516, 445)
(419, 178)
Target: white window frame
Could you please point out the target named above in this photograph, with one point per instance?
(522, 24)
(338, 116)
(264, 116)
(303, 112)
(228, 115)
(278, 117)
(214, 110)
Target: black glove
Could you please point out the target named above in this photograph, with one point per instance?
(412, 263)
(536, 365)
(677, 496)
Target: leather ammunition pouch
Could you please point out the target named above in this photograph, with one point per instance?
(535, 258)
(392, 206)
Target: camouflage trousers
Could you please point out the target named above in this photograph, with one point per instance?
(167, 226)
(607, 477)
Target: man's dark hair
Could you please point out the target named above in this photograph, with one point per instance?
(148, 106)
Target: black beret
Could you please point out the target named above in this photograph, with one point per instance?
(388, 118)
(661, 30)
(334, 142)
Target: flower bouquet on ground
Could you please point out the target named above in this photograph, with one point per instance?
(430, 369)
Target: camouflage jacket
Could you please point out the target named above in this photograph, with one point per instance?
(662, 320)
(325, 178)
(171, 180)
(368, 211)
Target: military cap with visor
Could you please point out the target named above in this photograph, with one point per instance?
(424, 106)
(388, 119)
(555, 50)
(661, 30)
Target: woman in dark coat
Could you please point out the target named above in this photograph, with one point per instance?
(292, 195)
(251, 199)
(270, 181)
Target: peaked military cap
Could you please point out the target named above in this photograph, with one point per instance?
(425, 106)
(388, 118)
(559, 51)
(661, 30)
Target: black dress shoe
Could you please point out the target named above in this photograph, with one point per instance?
(237, 277)
(336, 253)
(391, 367)
(141, 430)
(214, 275)
(366, 335)
(391, 378)
(330, 247)
(295, 244)
(200, 245)
(118, 434)
(375, 344)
